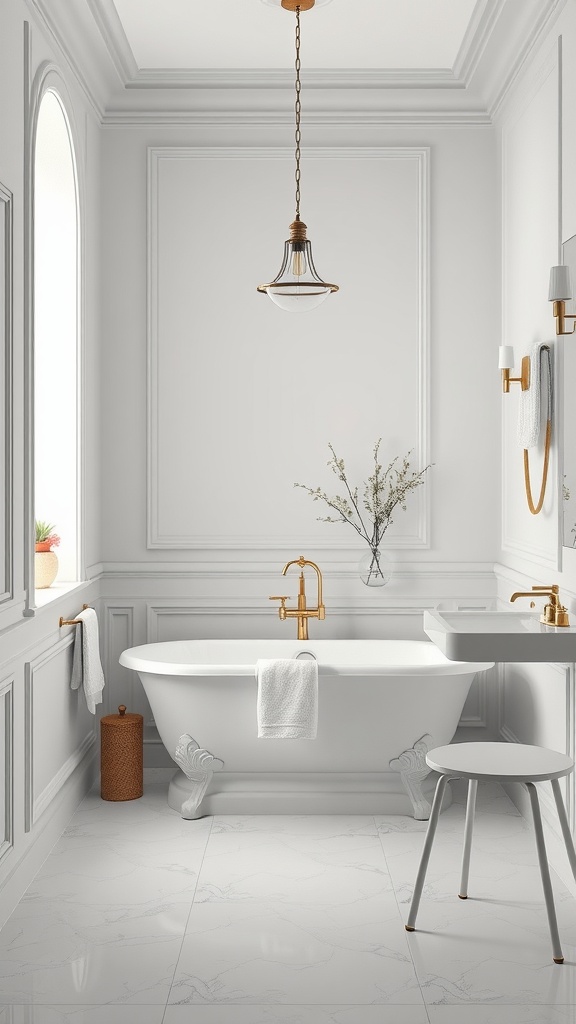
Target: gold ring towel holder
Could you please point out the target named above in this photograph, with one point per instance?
(536, 508)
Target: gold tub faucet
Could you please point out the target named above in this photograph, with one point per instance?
(554, 614)
(302, 613)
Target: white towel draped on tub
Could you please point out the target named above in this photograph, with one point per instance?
(86, 665)
(287, 698)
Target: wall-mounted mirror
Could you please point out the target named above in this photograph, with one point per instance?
(569, 411)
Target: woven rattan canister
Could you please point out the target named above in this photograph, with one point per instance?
(121, 760)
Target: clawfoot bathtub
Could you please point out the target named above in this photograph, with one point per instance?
(381, 705)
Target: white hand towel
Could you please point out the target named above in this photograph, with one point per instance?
(86, 665)
(529, 413)
(287, 698)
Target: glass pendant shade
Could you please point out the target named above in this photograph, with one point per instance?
(298, 287)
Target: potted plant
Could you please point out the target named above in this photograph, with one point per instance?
(45, 559)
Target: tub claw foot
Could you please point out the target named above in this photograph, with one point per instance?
(199, 766)
(413, 770)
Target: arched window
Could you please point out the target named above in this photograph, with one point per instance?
(56, 332)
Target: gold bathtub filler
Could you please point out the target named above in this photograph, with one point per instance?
(554, 614)
(302, 613)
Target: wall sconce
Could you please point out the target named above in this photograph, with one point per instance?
(506, 363)
(560, 293)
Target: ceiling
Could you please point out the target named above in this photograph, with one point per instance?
(257, 34)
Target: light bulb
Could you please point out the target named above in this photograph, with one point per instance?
(298, 263)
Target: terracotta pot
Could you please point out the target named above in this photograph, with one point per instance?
(43, 545)
(45, 569)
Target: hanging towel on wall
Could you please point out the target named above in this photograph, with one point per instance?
(530, 409)
(86, 665)
(287, 704)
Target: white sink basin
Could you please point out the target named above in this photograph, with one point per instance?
(499, 636)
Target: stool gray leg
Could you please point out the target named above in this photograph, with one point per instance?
(558, 956)
(564, 825)
(470, 809)
(432, 823)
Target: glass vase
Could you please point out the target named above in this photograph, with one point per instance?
(375, 568)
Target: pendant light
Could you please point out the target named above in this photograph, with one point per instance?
(298, 285)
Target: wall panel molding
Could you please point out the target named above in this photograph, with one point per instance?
(160, 536)
(118, 636)
(7, 769)
(6, 389)
(36, 803)
(475, 713)
(45, 798)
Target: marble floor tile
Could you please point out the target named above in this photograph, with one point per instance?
(475, 952)
(109, 1014)
(285, 919)
(52, 952)
(250, 1014)
(505, 869)
(303, 869)
(270, 953)
(148, 818)
(328, 825)
(479, 1014)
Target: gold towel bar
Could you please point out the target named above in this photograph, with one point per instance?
(72, 622)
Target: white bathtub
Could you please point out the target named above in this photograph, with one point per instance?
(382, 704)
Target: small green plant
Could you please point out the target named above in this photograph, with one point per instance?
(45, 533)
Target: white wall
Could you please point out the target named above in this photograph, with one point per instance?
(536, 703)
(48, 748)
(242, 398)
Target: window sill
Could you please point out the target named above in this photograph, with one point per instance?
(48, 594)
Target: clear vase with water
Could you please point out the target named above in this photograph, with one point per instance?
(375, 568)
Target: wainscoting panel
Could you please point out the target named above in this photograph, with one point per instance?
(6, 766)
(118, 636)
(59, 729)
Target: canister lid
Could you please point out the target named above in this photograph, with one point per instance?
(121, 718)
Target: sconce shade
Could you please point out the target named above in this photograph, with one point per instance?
(505, 357)
(560, 284)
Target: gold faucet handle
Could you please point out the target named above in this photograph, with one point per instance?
(552, 589)
(561, 617)
(282, 608)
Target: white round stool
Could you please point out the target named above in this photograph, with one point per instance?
(499, 762)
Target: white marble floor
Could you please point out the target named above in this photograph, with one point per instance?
(138, 917)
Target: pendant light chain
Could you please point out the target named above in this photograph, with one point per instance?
(298, 110)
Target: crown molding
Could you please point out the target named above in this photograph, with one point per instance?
(149, 117)
(67, 44)
(283, 78)
(500, 38)
(112, 31)
(543, 23)
(482, 24)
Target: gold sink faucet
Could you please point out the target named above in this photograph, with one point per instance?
(302, 613)
(554, 614)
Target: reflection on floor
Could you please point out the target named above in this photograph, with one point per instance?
(138, 917)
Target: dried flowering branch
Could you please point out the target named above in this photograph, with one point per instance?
(384, 491)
